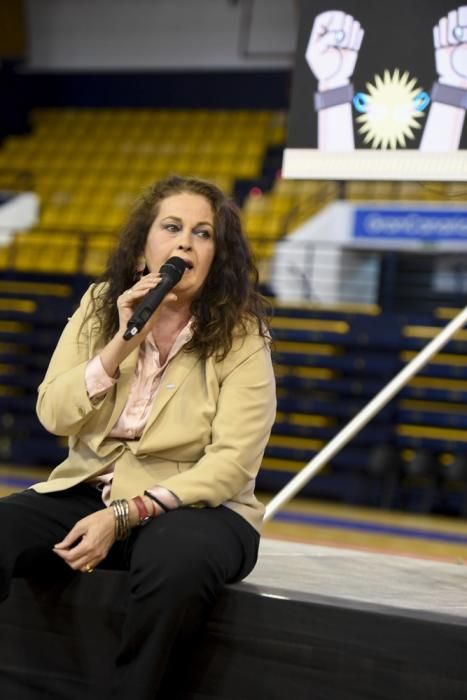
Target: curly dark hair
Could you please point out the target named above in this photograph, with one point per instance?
(229, 300)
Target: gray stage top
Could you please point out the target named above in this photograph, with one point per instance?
(301, 571)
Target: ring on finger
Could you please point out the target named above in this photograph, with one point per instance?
(89, 568)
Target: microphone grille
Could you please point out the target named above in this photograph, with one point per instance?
(174, 268)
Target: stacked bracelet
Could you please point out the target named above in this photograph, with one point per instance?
(160, 503)
(143, 512)
(121, 511)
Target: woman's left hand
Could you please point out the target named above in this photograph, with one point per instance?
(89, 541)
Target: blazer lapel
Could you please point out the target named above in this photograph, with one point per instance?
(172, 379)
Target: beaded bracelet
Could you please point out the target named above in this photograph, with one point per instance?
(160, 503)
(121, 511)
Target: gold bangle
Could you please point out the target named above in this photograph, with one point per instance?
(121, 511)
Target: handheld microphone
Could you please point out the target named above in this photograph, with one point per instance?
(171, 272)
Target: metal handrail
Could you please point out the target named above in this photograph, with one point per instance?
(365, 415)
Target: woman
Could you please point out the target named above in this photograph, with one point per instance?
(166, 430)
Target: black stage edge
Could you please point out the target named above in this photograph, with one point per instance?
(261, 641)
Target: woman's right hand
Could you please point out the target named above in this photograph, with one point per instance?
(118, 349)
(129, 300)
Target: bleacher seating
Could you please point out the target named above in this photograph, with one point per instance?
(268, 216)
(33, 312)
(89, 165)
(87, 160)
(329, 365)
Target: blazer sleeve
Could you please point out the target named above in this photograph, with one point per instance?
(63, 405)
(245, 414)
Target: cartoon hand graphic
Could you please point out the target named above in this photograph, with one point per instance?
(333, 47)
(450, 40)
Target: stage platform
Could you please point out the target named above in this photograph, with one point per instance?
(380, 580)
(310, 623)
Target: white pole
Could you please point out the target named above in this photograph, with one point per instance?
(365, 415)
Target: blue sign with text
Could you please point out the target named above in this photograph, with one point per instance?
(428, 225)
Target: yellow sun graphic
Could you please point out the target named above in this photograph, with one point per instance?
(391, 109)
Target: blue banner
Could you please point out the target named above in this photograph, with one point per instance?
(428, 225)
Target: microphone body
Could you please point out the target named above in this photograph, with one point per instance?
(171, 272)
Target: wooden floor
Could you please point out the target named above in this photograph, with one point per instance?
(371, 530)
(335, 525)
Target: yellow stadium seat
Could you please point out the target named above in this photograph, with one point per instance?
(90, 164)
(96, 255)
(46, 253)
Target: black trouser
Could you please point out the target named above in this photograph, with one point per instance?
(178, 563)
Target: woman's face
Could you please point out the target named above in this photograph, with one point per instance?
(184, 227)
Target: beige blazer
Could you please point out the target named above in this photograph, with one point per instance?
(204, 439)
